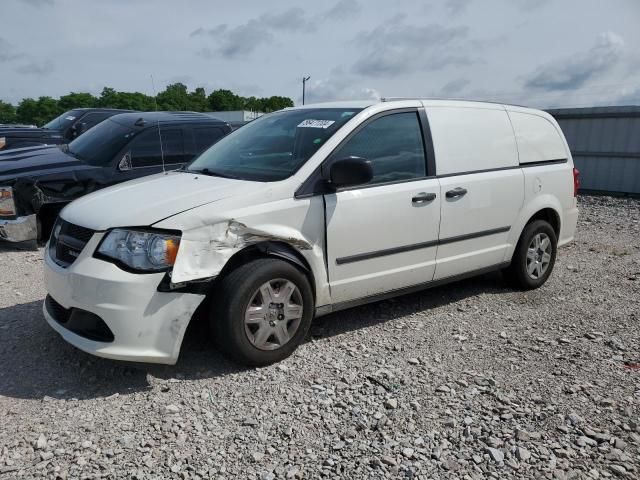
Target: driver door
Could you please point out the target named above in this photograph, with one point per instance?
(382, 236)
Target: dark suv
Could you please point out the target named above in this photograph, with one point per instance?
(60, 130)
(37, 182)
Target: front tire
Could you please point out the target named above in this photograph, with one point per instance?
(534, 256)
(262, 311)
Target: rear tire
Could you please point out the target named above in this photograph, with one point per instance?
(262, 311)
(534, 256)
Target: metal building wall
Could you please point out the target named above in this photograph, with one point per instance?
(605, 145)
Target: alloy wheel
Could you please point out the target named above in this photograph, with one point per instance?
(539, 255)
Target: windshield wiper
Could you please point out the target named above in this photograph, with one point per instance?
(212, 173)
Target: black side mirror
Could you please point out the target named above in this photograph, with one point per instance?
(350, 171)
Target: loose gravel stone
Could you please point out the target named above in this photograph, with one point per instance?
(421, 386)
(495, 454)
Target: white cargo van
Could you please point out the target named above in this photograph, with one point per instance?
(307, 211)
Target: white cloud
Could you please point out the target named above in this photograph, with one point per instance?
(339, 88)
(573, 72)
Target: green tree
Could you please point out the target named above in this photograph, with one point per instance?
(7, 112)
(198, 100)
(110, 98)
(173, 98)
(38, 111)
(275, 102)
(254, 104)
(77, 100)
(225, 100)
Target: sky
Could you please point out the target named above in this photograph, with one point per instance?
(540, 53)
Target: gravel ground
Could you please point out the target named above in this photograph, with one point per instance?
(471, 380)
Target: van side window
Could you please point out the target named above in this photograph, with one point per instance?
(538, 139)
(394, 146)
(204, 137)
(145, 148)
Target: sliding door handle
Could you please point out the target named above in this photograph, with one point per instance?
(456, 192)
(423, 197)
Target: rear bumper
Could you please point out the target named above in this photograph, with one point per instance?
(21, 229)
(568, 226)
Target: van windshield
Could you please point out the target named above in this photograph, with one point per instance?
(272, 147)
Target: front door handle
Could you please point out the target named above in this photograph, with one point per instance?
(456, 192)
(423, 197)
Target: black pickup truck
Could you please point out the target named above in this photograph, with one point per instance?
(60, 130)
(37, 182)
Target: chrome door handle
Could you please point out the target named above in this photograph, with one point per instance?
(456, 192)
(423, 197)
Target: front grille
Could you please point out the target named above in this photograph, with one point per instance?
(67, 242)
(76, 231)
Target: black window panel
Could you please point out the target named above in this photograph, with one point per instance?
(204, 137)
(92, 119)
(394, 146)
(145, 148)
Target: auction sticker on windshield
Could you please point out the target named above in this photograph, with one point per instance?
(316, 123)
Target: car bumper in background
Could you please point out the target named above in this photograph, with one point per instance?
(21, 229)
(108, 312)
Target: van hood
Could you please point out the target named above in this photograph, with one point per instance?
(148, 200)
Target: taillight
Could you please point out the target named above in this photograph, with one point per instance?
(576, 181)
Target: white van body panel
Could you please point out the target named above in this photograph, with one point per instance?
(475, 138)
(471, 138)
(538, 138)
(547, 185)
(493, 203)
(367, 220)
(491, 150)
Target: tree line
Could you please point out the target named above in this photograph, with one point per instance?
(175, 97)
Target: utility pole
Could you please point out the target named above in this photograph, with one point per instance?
(304, 81)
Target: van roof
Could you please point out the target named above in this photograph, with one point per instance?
(433, 101)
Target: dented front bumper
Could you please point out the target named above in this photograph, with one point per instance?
(21, 229)
(147, 325)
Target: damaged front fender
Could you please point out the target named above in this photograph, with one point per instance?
(205, 251)
(213, 234)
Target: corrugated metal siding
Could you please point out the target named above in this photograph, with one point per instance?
(605, 144)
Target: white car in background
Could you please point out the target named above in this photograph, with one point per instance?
(308, 211)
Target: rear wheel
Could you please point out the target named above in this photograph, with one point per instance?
(534, 256)
(262, 311)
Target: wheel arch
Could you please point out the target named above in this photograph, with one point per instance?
(266, 249)
(543, 207)
(263, 249)
(549, 215)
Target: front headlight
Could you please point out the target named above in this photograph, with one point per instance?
(146, 251)
(7, 205)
